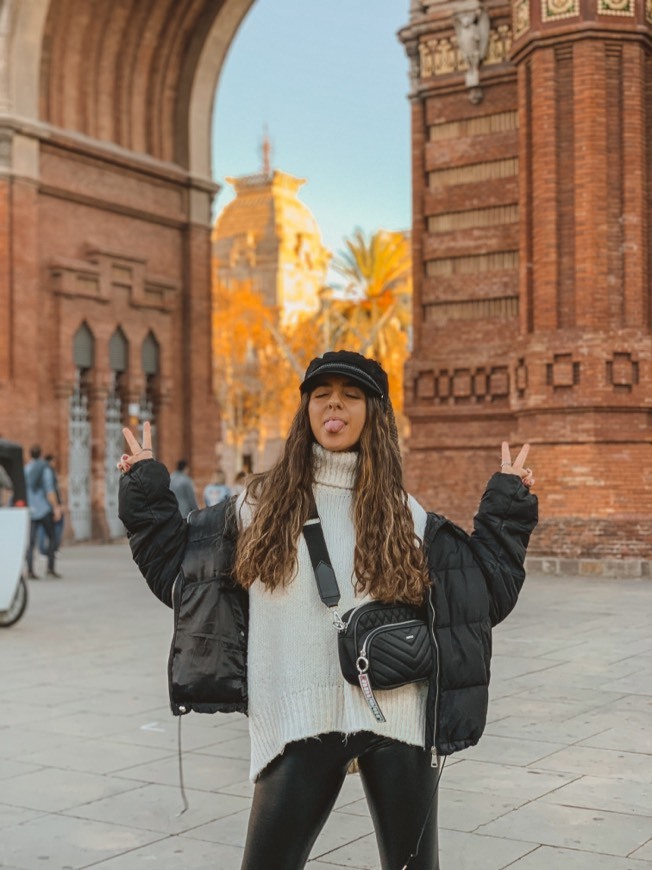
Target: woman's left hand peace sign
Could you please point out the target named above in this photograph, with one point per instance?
(518, 466)
(138, 453)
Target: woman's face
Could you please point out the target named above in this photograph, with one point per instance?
(337, 410)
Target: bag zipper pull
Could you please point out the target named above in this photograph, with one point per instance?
(434, 761)
(339, 624)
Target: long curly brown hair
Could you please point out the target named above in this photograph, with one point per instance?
(389, 562)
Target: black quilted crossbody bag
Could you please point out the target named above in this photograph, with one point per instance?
(381, 646)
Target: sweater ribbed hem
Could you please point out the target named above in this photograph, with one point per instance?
(323, 709)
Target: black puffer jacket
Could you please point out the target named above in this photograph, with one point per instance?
(476, 581)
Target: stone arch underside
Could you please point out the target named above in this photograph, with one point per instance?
(140, 74)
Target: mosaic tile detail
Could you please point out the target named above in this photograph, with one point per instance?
(616, 7)
(552, 10)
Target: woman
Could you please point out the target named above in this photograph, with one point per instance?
(273, 651)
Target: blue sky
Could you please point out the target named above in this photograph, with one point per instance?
(329, 79)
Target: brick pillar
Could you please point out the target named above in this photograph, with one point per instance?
(532, 260)
(28, 340)
(585, 351)
(465, 258)
(5, 279)
(200, 410)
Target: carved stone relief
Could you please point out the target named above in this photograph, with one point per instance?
(444, 56)
(520, 17)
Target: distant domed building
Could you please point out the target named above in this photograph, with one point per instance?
(268, 240)
(268, 237)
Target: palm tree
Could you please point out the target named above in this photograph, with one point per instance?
(377, 304)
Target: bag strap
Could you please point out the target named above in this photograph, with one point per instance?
(329, 591)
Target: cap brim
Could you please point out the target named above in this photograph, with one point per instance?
(337, 368)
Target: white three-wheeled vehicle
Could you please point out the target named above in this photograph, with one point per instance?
(14, 531)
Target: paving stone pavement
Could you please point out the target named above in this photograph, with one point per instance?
(562, 779)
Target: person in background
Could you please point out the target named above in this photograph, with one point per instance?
(217, 490)
(6, 487)
(44, 508)
(43, 541)
(239, 483)
(183, 487)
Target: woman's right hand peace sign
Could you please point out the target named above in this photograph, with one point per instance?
(518, 465)
(138, 451)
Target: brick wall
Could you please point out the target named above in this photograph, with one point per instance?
(531, 267)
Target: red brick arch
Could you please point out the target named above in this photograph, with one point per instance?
(105, 211)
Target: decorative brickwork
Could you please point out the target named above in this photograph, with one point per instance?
(532, 257)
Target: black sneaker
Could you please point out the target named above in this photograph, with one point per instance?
(55, 575)
(33, 576)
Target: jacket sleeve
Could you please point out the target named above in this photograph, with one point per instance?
(506, 518)
(157, 532)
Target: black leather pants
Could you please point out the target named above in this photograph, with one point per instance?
(295, 794)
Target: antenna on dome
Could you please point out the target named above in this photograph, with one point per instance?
(266, 150)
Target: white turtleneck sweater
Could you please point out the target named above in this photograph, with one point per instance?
(296, 688)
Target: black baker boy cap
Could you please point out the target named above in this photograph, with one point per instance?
(365, 372)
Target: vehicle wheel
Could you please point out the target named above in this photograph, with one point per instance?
(16, 608)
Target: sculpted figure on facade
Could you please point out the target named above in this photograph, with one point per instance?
(472, 31)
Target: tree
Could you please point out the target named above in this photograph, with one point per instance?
(256, 364)
(259, 357)
(372, 312)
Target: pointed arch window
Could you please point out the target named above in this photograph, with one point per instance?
(79, 434)
(119, 351)
(83, 348)
(150, 355)
(119, 365)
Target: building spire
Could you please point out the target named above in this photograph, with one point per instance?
(266, 149)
